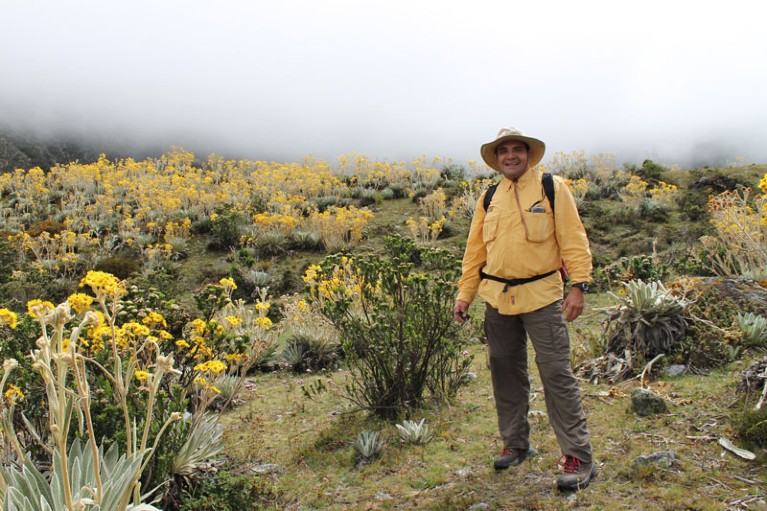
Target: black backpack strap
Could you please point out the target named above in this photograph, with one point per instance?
(548, 188)
(489, 195)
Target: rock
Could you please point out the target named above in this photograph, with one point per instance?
(665, 459)
(480, 506)
(645, 403)
(266, 468)
(675, 370)
(463, 472)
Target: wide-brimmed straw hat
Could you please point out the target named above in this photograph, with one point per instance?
(537, 147)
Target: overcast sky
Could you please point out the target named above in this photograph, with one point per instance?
(674, 81)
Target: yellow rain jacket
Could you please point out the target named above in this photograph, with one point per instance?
(514, 239)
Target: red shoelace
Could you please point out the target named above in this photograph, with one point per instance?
(569, 464)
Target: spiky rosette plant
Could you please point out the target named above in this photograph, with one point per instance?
(648, 321)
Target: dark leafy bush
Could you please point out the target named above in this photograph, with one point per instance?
(50, 226)
(230, 491)
(29, 284)
(202, 227)
(650, 172)
(625, 269)
(119, 266)
(693, 200)
(225, 231)
(452, 173)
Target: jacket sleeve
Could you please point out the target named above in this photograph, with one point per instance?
(475, 255)
(571, 235)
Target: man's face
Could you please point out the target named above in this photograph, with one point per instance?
(512, 158)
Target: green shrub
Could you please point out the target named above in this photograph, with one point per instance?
(641, 267)
(202, 227)
(229, 491)
(225, 231)
(752, 426)
(399, 190)
(120, 267)
(452, 173)
(394, 314)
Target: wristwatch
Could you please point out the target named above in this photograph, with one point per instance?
(583, 286)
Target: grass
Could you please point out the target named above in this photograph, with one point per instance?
(311, 440)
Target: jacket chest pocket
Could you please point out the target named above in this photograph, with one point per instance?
(489, 229)
(538, 226)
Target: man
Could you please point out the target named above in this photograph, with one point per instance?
(513, 252)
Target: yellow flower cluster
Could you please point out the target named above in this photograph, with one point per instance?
(154, 319)
(228, 283)
(636, 187)
(80, 302)
(233, 320)
(38, 308)
(180, 229)
(579, 187)
(211, 366)
(8, 317)
(131, 334)
(340, 283)
(13, 394)
(263, 322)
(103, 284)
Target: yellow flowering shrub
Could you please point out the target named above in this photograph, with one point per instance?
(740, 244)
(341, 227)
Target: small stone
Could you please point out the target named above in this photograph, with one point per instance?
(661, 458)
(645, 403)
(463, 472)
(480, 506)
(266, 468)
(675, 370)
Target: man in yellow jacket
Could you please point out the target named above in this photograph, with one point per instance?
(513, 253)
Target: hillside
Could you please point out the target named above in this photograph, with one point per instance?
(184, 233)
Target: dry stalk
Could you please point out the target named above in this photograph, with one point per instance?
(642, 381)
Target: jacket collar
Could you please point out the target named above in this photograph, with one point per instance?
(532, 175)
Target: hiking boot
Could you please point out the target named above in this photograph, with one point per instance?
(577, 475)
(513, 457)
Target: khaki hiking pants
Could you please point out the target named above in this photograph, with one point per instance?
(507, 351)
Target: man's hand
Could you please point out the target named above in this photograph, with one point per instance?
(573, 304)
(461, 311)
